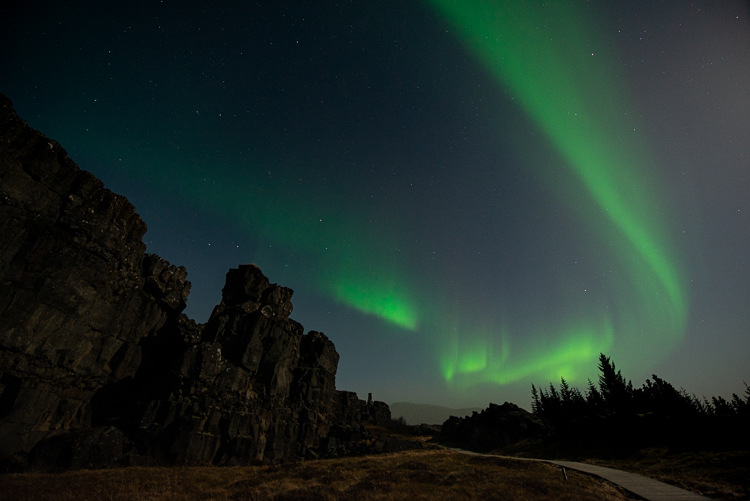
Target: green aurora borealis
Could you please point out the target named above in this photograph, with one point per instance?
(562, 75)
(550, 56)
(340, 245)
(467, 196)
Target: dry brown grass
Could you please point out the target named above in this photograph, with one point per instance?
(718, 475)
(407, 475)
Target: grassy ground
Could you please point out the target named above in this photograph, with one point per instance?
(717, 475)
(406, 475)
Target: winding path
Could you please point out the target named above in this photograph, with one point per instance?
(647, 488)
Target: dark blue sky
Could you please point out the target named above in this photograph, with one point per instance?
(393, 171)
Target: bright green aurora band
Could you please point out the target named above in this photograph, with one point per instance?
(554, 62)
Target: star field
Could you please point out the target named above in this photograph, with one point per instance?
(466, 197)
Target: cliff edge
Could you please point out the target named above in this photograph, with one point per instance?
(98, 364)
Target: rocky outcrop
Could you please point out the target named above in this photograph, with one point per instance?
(365, 427)
(348, 436)
(347, 407)
(87, 448)
(96, 358)
(495, 427)
(77, 291)
(254, 388)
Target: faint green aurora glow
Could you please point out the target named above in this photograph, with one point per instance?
(564, 75)
(349, 259)
(352, 260)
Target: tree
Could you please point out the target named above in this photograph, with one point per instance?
(536, 405)
(594, 400)
(616, 393)
(721, 407)
(660, 396)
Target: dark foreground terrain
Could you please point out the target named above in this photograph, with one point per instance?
(406, 475)
(717, 475)
(714, 474)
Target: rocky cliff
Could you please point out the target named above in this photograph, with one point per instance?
(96, 358)
(77, 291)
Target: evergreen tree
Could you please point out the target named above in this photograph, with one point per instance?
(536, 405)
(674, 413)
(550, 403)
(594, 400)
(738, 405)
(565, 392)
(660, 396)
(721, 407)
(615, 392)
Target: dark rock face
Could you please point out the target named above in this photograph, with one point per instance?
(348, 407)
(95, 354)
(349, 439)
(348, 436)
(254, 389)
(495, 427)
(87, 448)
(77, 292)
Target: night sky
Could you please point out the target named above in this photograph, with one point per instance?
(466, 196)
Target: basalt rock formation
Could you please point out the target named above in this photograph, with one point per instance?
(348, 436)
(247, 386)
(348, 407)
(99, 365)
(77, 291)
(495, 427)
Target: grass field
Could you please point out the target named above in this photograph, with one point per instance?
(407, 475)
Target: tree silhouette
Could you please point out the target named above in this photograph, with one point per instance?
(616, 393)
(657, 413)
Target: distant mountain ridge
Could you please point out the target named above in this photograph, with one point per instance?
(415, 414)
